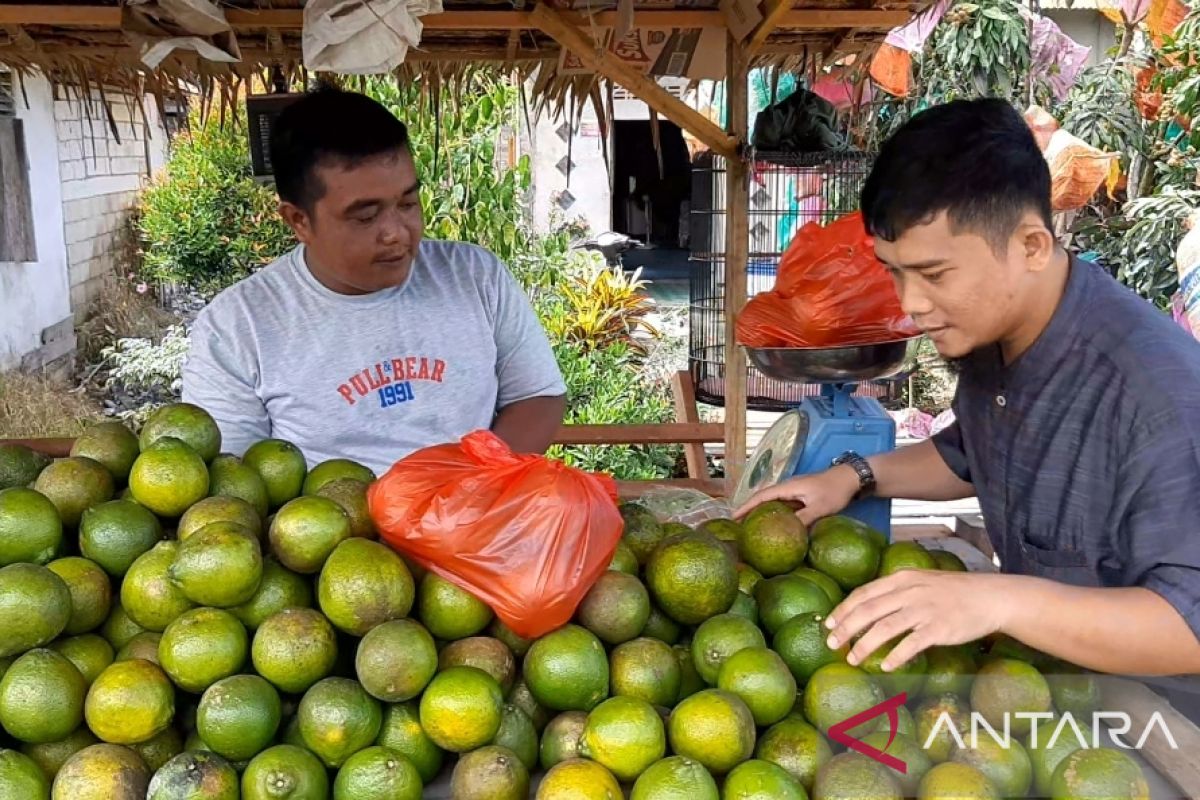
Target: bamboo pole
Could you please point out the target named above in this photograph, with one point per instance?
(737, 247)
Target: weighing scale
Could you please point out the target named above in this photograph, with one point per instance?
(807, 439)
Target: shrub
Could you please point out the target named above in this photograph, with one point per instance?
(605, 386)
(144, 374)
(205, 222)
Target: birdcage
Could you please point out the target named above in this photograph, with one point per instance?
(787, 190)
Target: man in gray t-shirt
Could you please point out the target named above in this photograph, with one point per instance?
(366, 342)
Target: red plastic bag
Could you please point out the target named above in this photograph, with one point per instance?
(831, 291)
(525, 534)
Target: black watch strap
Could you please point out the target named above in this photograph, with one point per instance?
(866, 475)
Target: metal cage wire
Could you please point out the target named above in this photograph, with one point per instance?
(787, 191)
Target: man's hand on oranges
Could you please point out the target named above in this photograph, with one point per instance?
(919, 608)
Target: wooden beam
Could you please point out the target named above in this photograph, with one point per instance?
(265, 55)
(807, 18)
(737, 254)
(773, 14)
(644, 88)
(661, 433)
(65, 16)
(1180, 766)
(54, 448)
(83, 16)
(683, 391)
(632, 490)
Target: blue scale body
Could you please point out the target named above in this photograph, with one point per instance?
(839, 420)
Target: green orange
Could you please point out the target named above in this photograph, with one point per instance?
(461, 709)
(646, 669)
(714, 728)
(449, 611)
(338, 718)
(364, 584)
(201, 647)
(675, 777)
(238, 716)
(377, 773)
(130, 702)
(396, 660)
(625, 735)
(401, 731)
(285, 771)
(115, 533)
(91, 593)
(282, 467)
(30, 529)
(567, 670)
(184, 421)
(294, 649)
(579, 779)
(41, 697)
(74, 485)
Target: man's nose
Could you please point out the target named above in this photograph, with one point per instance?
(913, 300)
(394, 232)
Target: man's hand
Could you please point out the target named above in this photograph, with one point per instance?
(817, 496)
(925, 607)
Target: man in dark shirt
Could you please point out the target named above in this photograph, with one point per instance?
(1078, 419)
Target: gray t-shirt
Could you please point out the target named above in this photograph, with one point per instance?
(371, 377)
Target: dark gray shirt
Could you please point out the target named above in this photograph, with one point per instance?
(1085, 451)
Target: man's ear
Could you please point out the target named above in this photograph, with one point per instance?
(1037, 244)
(298, 220)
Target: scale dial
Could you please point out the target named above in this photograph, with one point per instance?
(775, 458)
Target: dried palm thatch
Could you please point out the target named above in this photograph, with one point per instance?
(85, 61)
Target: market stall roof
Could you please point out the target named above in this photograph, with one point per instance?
(106, 41)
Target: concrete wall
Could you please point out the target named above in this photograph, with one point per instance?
(588, 185)
(101, 174)
(585, 193)
(1089, 28)
(83, 181)
(35, 312)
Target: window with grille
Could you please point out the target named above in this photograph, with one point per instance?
(8, 101)
(17, 239)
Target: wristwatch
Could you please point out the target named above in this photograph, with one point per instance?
(866, 475)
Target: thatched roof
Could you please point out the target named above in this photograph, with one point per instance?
(100, 42)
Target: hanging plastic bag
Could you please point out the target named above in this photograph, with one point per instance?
(831, 292)
(891, 69)
(525, 534)
(1077, 170)
(1043, 125)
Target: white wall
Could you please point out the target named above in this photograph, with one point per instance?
(34, 297)
(588, 178)
(83, 182)
(1089, 28)
(101, 175)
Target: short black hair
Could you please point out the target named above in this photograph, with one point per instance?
(975, 160)
(329, 125)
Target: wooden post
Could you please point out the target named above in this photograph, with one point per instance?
(684, 394)
(737, 251)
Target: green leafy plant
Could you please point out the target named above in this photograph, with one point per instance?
(603, 307)
(205, 222)
(466, 193)
(1138, 244)
(1101, 111)
(979, 49)
(605, 386)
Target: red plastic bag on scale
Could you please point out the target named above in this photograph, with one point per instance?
(525, 534)
(831, 291)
